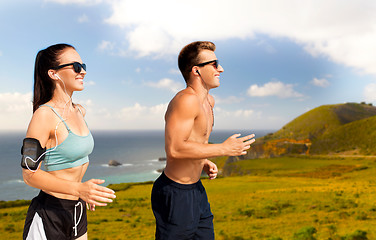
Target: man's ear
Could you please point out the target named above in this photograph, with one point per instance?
(195, 70)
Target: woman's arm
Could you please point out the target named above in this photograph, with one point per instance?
(42, 128)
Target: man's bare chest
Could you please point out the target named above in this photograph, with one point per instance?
(204, 122)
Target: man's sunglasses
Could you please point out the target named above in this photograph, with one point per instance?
(77, 67)
(216, 63)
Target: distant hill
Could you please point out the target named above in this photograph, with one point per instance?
(358, 137)
(339, 128)
(314, 123)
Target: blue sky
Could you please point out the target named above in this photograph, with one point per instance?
(281, 58)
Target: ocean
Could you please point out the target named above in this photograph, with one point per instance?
(138, 151)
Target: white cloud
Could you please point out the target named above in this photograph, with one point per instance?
(83, 18)
(89, 83)
(85, 103)
(143, 117)
(277, 88)
(245, 113)
(17, 112)
(129, 117)
(244, 119)
(16, 109)
(321, 27)
(159, 109)
(247, 119)
(228, 100)
(369, 92)
(266, 46)
(320, 82)
(133, 111)
(166, 83)
(174, 71)
(221, 113)
(106, 45)
(82, 2)
(15, 102)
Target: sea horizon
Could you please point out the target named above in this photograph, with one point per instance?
(137, 150)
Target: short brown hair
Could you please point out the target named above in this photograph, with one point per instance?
(188, 56)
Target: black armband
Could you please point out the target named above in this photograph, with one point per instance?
(32, 153)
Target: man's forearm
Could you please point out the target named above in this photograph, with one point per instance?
(195, 151)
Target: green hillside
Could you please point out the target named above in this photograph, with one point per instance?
(348, 128)
(314, 123)
(358, 137)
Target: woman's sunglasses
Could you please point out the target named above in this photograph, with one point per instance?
(77, 67)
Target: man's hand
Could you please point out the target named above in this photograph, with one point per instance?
(211, 169)
(236, 145)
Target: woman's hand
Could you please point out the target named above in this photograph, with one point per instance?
(90, 207)
(95, 195)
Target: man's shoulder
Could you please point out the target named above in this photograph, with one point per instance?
(184, 102)
(185, 97)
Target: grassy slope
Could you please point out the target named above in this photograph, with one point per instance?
(280, 197)
(333, 128)
(358, 136)
(310, 124)
(318, 121)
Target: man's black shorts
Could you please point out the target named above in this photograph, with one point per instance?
(182, 211)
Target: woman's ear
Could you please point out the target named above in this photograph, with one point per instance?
(52, 74)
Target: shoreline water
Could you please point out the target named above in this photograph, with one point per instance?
(138, 151)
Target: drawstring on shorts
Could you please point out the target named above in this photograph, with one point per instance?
(75, 217)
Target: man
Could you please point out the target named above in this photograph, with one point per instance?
(179, 200)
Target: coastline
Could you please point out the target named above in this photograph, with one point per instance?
(23, 192)
(139, 152)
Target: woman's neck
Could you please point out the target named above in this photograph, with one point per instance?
(62, 99)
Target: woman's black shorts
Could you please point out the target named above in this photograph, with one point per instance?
(49, 217)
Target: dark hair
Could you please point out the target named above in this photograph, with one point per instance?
(188, 56)
(45, 60)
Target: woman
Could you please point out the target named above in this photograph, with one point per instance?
(58, 134)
